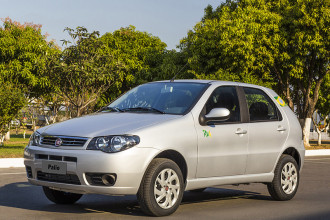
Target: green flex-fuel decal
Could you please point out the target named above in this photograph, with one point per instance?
(207, 133)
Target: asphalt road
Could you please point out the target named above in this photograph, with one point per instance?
(20, 200)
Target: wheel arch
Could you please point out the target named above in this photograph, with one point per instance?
(294, 153)
(177, 158)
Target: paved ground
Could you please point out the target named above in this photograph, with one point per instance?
(20, 200)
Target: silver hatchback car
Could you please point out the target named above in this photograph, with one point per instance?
(162, 138)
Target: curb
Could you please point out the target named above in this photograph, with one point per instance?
(11, 162)
(321, 152)
(19, 162)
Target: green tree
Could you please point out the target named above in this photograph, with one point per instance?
(23, 55)
(280, 44)
(323, 103)
(12, 100)
(50, 106)
(139, 55)
(229, 44)
(84, 70)
(174, 64)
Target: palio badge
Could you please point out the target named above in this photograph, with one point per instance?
(207, 133)
(280, 101)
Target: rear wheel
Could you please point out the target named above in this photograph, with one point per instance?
(286, 179)
(60, 197)
(161, 189)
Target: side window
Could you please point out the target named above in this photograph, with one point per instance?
(261, 107)
(225, 97)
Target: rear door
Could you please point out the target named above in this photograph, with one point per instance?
(268, 131)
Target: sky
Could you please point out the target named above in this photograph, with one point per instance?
(170, 20)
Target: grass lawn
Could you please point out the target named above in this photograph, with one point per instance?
(14, 148)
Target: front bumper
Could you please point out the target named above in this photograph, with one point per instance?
(128, 165)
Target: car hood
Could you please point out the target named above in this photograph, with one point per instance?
(101, 124)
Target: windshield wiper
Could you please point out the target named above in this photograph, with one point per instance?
(144, 109)
(111, 109)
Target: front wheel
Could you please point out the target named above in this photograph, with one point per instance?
(161, 189)
(60, 197)
(286, 179)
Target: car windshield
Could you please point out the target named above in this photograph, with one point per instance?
(160, 97)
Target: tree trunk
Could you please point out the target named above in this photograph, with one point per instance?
(55, 112)
(2, 137)
(319, 137)
(318, 130)
(46, 119)
(326, 129)
(79, 110)
(45, 114)
(34, 125)
(7, 136)
(54, 118)
(306, 131)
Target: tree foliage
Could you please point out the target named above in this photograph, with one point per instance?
(23, 56)
(174, 64)
(93, 68)
(12, 100)
(323, 104)
(232, 43)
(283, 44)
(138, 53)
(84, 70)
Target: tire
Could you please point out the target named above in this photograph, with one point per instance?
(60, 197)
(159, 198)
(286, 179)
(197, 190)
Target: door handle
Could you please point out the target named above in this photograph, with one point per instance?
(241, 131)
(280, 128)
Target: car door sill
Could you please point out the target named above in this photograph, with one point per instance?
(216, 181)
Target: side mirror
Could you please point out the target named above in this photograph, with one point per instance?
(217, 114)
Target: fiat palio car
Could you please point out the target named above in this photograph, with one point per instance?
(163, 138)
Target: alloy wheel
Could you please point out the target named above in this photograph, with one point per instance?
(167, 188)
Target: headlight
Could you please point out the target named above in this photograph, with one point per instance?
(34, 139)
(27, 153)
(112, 144)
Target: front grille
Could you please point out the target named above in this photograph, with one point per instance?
(56, 157)
(66, 141)
(58, 178)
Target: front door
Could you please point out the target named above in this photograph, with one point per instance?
(222, 146)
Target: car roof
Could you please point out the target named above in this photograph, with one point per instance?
(217, 83)
(213, 82)
(188, 81)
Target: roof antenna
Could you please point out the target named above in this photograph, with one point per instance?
(172, 80)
